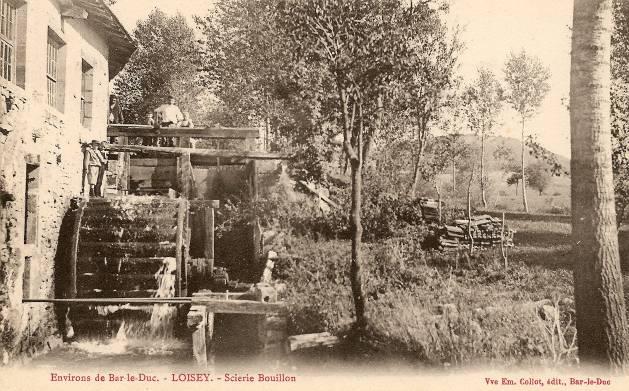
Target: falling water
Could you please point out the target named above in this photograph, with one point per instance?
(138, 335)
(163, 315)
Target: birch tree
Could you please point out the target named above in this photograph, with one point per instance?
(527, 86)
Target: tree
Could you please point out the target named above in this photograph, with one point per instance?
(550, 159)
(165, 63)
(452, 121)
(483, 103)
(527, 83)
(514, 179)
(620, 105)
(429, 77)
(362, 46)
(247, 64)
(538, 176)
(600, 305)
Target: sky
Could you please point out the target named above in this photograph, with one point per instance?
(491, 30)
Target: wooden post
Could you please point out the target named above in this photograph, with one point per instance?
(209, 339)
(76, 229)
(124, 169)
(184, 142)
(197, 321)
(84, 171)
(503, 250)
(181, 250)
(208, 251)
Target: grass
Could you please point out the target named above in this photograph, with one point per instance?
(554, 200)
(441, 309)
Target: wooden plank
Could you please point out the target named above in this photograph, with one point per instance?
(153, 162)
(133, 249)
(117, 130)
(304, 341)
(257, 155)
(116, 282)
(239, 306)
(110, 233)
(108, 264)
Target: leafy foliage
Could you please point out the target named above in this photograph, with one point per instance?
(483, 102)
(541, 153)
(165, 63)
(527, 83)
(538, 176)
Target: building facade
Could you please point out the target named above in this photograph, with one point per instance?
(56, 60)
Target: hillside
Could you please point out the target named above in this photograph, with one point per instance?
(492, 143)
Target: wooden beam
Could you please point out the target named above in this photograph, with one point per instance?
(253, 155)
(213, 304)
(131, 130)
(305, 341)
(239, 306)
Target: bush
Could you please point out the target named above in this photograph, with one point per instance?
(383, 215)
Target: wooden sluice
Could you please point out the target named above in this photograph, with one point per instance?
(157, 217)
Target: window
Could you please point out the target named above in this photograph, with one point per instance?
(87, 75)
(55, 70)
(51, 71)
(7, 39)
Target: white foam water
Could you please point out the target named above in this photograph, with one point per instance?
(139, 336)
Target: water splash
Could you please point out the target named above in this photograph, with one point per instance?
(163, 315)
(138, 333)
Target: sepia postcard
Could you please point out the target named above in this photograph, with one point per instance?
(314, 194)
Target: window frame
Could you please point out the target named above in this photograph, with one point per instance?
(8, 39)
(52, 67)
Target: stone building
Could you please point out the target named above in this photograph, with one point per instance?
(56, 60)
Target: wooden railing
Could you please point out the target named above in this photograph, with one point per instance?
(221, 133)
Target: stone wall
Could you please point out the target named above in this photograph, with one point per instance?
(29, 133)
(49, 141)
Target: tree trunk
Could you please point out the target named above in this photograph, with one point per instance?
(482, 168)
(438, 191)
(356, 229)
(421, 140)
(453, 177)
(600, 306)
(524, 201)
(353, 150)
(469, 210)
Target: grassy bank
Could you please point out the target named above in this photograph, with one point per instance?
(441, 309)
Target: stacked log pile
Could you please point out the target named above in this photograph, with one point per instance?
(486, 231)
